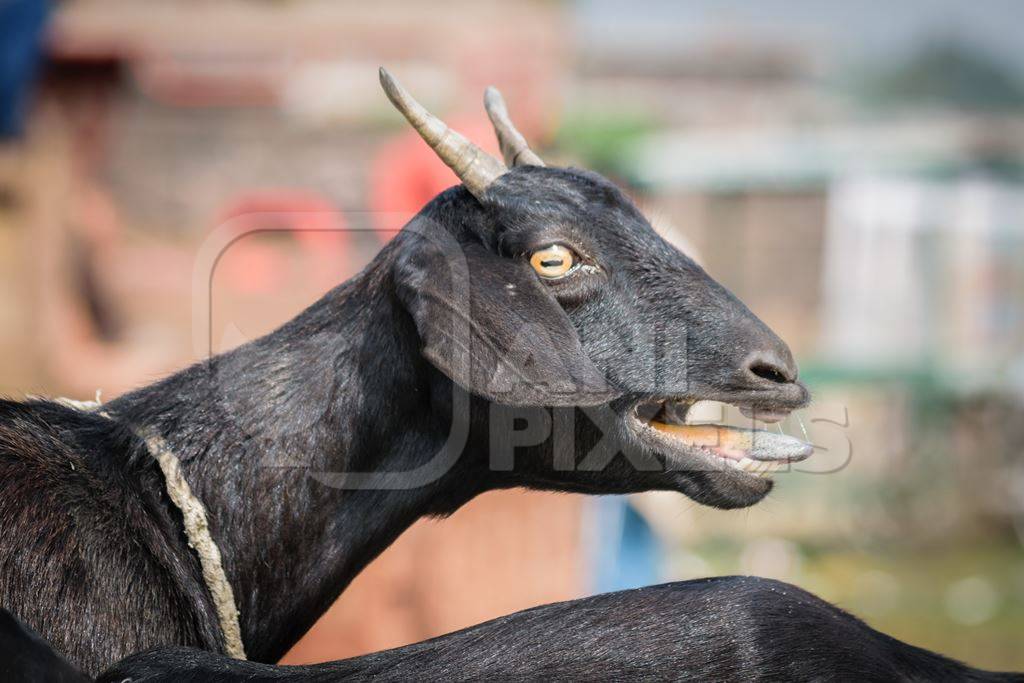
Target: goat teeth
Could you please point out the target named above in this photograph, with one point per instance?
(706, 412)
(760, 468)
(748, 465)
(737, 444)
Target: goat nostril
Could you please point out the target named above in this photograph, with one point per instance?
(770, 372)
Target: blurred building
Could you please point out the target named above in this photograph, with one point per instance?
(860, 188)
(856, 179)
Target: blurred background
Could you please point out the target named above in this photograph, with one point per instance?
(853, 171)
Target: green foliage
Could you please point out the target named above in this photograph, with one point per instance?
(947, 74)
(910, 592)
(601, 141)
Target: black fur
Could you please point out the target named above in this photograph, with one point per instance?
(27, 658)
(723, 629)
(273, 436)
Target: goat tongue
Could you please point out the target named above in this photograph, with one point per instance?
(736, 444)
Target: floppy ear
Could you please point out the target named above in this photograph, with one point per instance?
(488, 323)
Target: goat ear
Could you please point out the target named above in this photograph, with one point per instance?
(489, 325)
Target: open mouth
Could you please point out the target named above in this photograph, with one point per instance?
(680, 429)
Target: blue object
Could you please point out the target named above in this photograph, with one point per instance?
(21, 46)
(626, 553)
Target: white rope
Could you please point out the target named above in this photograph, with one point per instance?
(85, 406)
(197, 530)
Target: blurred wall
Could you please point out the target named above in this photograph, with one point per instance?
(860, 189)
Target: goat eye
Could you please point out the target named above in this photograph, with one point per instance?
(553, 262)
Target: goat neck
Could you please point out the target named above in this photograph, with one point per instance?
(265, 431)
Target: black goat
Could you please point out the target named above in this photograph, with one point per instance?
(723, 629)
(527, 328)
(27, 658)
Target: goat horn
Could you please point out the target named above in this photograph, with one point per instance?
(513, 144)
(476, 168)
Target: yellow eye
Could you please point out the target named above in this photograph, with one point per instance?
(553, 262)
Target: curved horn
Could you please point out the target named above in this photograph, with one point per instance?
(513, 144)
(476, 168)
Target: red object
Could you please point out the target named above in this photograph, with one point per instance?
(406, 174)
(310, 219)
